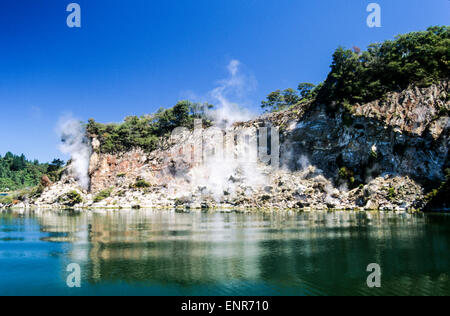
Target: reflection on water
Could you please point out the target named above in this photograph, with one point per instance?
(167, 253)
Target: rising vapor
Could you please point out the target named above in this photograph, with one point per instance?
(226, 165)
(228, 112)
(76, 144)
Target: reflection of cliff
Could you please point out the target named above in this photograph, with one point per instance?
(167, 247)
(310, 250)
(63, 227)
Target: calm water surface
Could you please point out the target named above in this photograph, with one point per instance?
(167, 253)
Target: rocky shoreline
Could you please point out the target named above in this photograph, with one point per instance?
(304, 191)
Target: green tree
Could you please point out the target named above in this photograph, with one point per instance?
(420, 58)
(16, 172)
(144, 132)
(305, 89)
(280, 100)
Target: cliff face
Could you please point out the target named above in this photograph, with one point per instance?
(157, 169)
(406, 134)
(379, 155)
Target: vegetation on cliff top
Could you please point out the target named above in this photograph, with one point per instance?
(144, 132)
(280, 100)
(419, 58)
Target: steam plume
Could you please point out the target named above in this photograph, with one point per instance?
(227, 166)
(76, 144)
(235, 86)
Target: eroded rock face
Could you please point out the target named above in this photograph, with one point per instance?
(401, 136)
(107, 170)
(413, 111)
(158, 168)
(393, 150)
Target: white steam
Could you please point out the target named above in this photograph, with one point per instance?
(76, 144)
(228, 166)
(229, 154)
(235, 86)
(304, 163)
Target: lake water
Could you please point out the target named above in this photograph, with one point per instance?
(166, 253)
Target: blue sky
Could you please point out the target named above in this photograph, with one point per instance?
(133, 57)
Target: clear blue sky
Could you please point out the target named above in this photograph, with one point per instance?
(132, 57)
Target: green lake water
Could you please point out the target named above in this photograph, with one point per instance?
(166, 253)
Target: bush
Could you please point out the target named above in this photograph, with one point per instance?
(391, 193)
(37, 191)
(6, 200)
(71, 198)
(444, 111)
(24, 194)
(102, 195)
(348, 176)
(344, 173)
(141, 184)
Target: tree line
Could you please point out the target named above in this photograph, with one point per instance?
(144, 132)
(419, 58)
(16, 172)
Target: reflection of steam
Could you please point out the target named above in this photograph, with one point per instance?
(76, 144)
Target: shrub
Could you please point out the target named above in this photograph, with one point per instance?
(37, 191)
(444, 111)
(391, 193)
(71, 198)
(102, 195)
(141, 184)
(182, 201)
(344, 173)
(348, 176)
(23, 194)
(6, 200)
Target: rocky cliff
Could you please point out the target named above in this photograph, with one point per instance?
(381, 155)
